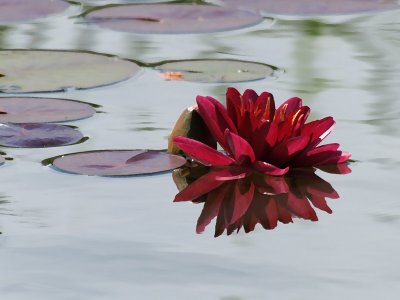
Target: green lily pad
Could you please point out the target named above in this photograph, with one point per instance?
(314, 7)
(171, 18)
(21, 10)
(48, 70)
(34, 110)
(215, 70)
(117, 162)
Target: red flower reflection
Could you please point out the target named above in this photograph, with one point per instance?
(256, 136)
(256, 199)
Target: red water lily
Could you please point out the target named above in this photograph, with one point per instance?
(256, 136)
(263, 199)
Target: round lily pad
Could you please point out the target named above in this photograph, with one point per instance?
(21, 10)
(37, 135)
(32, 110)
(215, 70)
(118, 162)
(314, 7)
(51, 70)
(171, 18)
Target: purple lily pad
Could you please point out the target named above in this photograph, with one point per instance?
(118, 162)
(32, 110)
(172, 18)
(37, 135)
(20, 10)
(314, 7)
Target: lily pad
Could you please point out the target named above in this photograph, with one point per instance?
(50, 70)
(21, 10)
(37, 135)
(118, 162)
(171, 18)
(32, 110)
(314, 7)
(215, 70)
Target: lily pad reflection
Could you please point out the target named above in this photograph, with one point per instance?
(117, 162)
(50, 70)
(22, 10)
(32, 110)
(171, 18)
(37, 135)
(244, 203)
(215, 70)
(314, 7)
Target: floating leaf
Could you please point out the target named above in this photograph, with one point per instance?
(37, 135)
(190, 124)
(32, 110)
(118, 162)
(314, 7)
(51, 70)
(171, 18)
(21, 10)
(215, 70)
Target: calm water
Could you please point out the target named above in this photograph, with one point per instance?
(78, 237)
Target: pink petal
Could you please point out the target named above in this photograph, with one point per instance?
(240, 148)
(287, 108)
(233, 104)
(216, 117)
(269, 169)
(266, 104)
(318, 130)
(202, 153)
(199, 187)
(339, 158)
(250, 96)
(284, 152)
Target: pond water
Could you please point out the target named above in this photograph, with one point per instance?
(68, 236)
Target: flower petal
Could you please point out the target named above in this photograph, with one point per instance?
(233, 104)
(266, 105)
(287, 108)
(202, 153)
(216, 118)
(318, 130)
(269, 169)
(284, 152)
(240, 148)
(199, 187)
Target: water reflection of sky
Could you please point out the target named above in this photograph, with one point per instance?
(99, 238)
